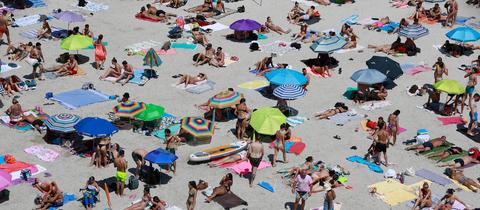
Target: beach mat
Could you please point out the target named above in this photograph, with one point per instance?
(372, 166)
(42, 153)
(78, 98)
(437, 149)
(145, 45)
(451, 120)
(32, 34)
(201, 88)
(432, 176)
(179, 45)
(214, 27)
(140, 17)
(227, 201)
(27, 20)
(452, 157)
(245, 167)
(67, 198)
(137, 79)
(417, 69)
(93, 6)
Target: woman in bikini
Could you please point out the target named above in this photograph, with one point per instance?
(100, 52)
(15, 112)
(352, 40)
(192, 80)
(115, 70)
(207, 6)
(280, 144)
(264, 64)
(45, 32)
(206, 57)
(230, 159)
(218, 59)
(424, 199)
(331, 112)
(419, 12)
(270, 25)
(10, 85)
(447, 201)
(302, 35)
(199, 37)
(146, 199)
(378, 24)
(88, 32)
(458, 175)
(446, 153)
(243, 114)
(69, 68)
(192, 195)
(104, 144)
(225, 185)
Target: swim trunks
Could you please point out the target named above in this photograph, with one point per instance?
(301, 195)
(474, 117)
(171, 150)
(381, 147)
(121, 176)
(255, 161)
(470, 89)
(460, 161)
(428, 144)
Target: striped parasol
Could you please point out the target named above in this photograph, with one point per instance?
(152, 59)
(128, 109)
(62, 122)
(413, 31)
(225, 99)
(328, 44)
(289, 92)
(198, 127)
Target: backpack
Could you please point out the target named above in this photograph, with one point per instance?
(87, 86)
(82, 3)
(254, 46)
(150, 73)
(132, 182)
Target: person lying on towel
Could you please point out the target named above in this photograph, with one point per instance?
(458, 175)
(192, 80)
(429, 145)
(309, 14)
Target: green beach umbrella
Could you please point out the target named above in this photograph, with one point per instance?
(151, 112)
(76, 42)
(449, 86)
(267, 120)
(152, 59)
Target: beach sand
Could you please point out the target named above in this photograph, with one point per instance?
(120, 29)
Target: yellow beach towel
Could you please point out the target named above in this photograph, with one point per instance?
(252, 85)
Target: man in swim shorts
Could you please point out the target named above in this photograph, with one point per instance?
(382, 142)
(473, 114)
(460, 162)
(121, 175)
(429, 145)
(255, 155)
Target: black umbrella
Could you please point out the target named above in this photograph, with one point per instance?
(385, 65)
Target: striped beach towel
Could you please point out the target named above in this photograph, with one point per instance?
(296, 120)
(27, 20)
(32, 34)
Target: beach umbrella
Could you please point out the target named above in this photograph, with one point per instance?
(449, 86)
(286, 76)
(128, 109)
(385, 65)
(5, 180)
(152, 59)
(160, 156)
(152, 112)
(225, 99)
(62, 122)
(198, 127)
(267, 120)
(76, 42)
(368, 77)
(245, 25)
(69, 17)
(289, 92)
(463, 34)
(95, 127)
(413, 31)
(328, 44)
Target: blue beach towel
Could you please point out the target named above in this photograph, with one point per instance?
(288, 145)
(137, 77)
(372, 166)
(35, 3)
(66, 199)
(352, 19)
(56, 32)
(261, 37)
(460, 20)
(389, 27)
(77, 98)
(177, 45)
(266, 185)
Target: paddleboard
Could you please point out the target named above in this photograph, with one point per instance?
(218, 152)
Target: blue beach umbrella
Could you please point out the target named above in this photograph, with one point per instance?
(95, 127)
(328, 44)
(161, 156)
(463, 34)
(289, 92)
(413, 31)
(286, 76)
(368, 77)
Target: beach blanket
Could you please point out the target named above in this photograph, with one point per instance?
(145, 18)
(343, 118)
(418, 69)
(245, 167)
(451, 157)
(180, 45)
(34, 170)
(255, 84)
(77, 98)
(201, 88)
(42, 153)
(451, 120)
(12, 167)
(161, 133)
(158, 51)
(27, 20)
(277, 47)
(35, 3)
(137, 47)
(341, 51)
(32, 34)
(432, 176)
(67, 198)
(370, 106)
(296, 148)
(366, 21)
(93, 6)
(350, 20)
(372, 166)
(228, 12)
(296, 120)
(215, 27)
(138, 78)
(8, 67)
(392, 192)
(227, 201)
(437, 149)
(389, 27)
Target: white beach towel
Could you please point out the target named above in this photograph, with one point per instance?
(182, 86)
(359, 47)
(17, 174)
(366, 21)
(296, 120)
(137, 47)
(370, 106)
(93, 6)
(277, 48)
(215, 27)
(306, 3)
(6, 68)
(28, 20)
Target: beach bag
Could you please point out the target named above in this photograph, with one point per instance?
(254, 46)
(88, 86)
(132, 182)
(241, 9)
(296, 45)
(82, 3)
(150, 73)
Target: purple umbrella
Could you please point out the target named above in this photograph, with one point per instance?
(245, 25)
(69, 17)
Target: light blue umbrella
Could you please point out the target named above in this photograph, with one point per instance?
(413, 31)
(463, 34)
(328, 44)
(286, 76)
(289, 92)
(368, 77)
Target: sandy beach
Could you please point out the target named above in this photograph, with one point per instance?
(121, 29)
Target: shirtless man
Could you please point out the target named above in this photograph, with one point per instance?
(127, 73)
(207, 57)
(472, 125)
(172, 142)
(137, 156)
(460, 162)
(458, 175)
(193, 80)
(255, 154)
(53, 198)
(470, 89)
(69, 68)
(15, 112)
(152, 10)
(121, 165)
(308, 14)
(36, 59)
(115, 70)
(429, 145)
(4, 26)
(294, 12)
(144, 12)
(219, 58)
(270, 25)
(382, 142)
(393, 125)
(452, 11)
(439, 70)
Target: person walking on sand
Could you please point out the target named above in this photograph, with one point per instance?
(329, 198)
(470, 89)
(280, 144)
(302, 187)
(172, 142)
(138, 156)
(192, 195)
(393, 125)
(254, 155)
(472, 125)
(439, 70)
(121, 175)
(382, 143)
(4, 26)
(100, 52)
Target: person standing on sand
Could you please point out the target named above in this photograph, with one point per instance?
(393, 125)
(138, 156)
(4, 26)
(470, 89)
(121, 165)
(329, 198)
(382, 142)
(439, 70)
(192, 195)
(472, 125)
(280, 144)
(172, 142)
(302, 187)
(254, 155)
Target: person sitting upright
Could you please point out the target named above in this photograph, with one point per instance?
(45, 32)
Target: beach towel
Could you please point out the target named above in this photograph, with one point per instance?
(370, 106)
(66, 199)
(350, 20)
(77, 98)
(12, 167)
(134, 48)
(138, 78)
(372, 166)
(392, 192)
(180, 45)
(8, 67)
(297, 148)
(35, 3)
(389, 27)
(255, 84)
(451, 157)
(461, 20)
(341, 51)
(437, 149)
(145, 18)
(296, 120)
(245, 167)
(22, 126)
(215, 27)
(475, 24)
(228, 61)
(34, 170)
(228, 12)
(415, 187)
(366, 21)
(418, 69)
(161, 133)
(277, 47)
(93, 6)
(27, 20)
(387, 186)
(199, 88)
(262, 37)
(227, 201)
(159, 51)
(42, 153)
(307, 3)
(266, 185)
(458, 206)
(435, 200)
(451, 120)
(344, 118)
(32, 34)
(432, 176)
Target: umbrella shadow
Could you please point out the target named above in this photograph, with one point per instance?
(466, 52)
(111, 183)
(81, 59)
(389, 84)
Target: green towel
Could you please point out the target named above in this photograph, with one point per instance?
(452, 157)
(438, 149)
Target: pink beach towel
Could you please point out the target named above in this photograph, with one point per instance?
(418, 69)
(400, 130)
(245, 167)
(451, 120)
(42, 153)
